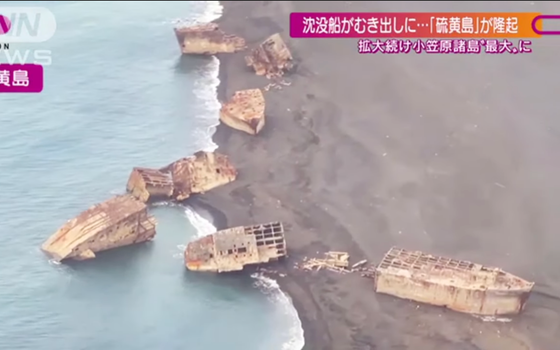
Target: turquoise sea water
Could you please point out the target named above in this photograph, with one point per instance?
(117, 96)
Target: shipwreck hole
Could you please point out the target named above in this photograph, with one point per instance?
(218, 171)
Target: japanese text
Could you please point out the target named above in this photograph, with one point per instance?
(476, 25)
(18, 77)
(444, 46)
(358, 25)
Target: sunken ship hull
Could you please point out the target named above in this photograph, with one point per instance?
(120, 221)
(207, 39)
(245, 111)
(458, 285)
(179, 180)
(232, 249)
(271, 58)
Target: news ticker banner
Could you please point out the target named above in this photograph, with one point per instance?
(21, 78)
(443, 46)
(400, 25)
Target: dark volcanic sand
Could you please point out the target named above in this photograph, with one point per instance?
(449, 154)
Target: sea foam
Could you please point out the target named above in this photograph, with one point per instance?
(206, 90)
(267, 285)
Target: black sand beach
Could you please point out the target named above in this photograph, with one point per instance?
(449, 154)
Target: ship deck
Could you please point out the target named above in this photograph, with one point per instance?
(233, 248)
(91, 221)
(446, 271)
(154, 177)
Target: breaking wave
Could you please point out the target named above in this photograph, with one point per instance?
(295, 331)
(206, 90)
(294, 334)
(206, 87)
(203, 227)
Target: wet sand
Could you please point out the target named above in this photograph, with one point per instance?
(450, 154)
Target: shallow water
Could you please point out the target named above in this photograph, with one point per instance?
(117, 96)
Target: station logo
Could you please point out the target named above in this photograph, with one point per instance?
(25, 25)
(5, 24)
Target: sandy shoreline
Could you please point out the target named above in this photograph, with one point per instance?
(362, 153)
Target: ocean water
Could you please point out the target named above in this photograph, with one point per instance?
(118, 95)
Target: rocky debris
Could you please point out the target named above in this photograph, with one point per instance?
(336, 262)
(120, 221)
(277, 85)
(333, 261)
(359, 264)
(245, 111)
(207, 39)
(271, 58)
(197, 174)
(368, 272)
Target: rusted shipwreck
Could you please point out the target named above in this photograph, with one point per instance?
(458, 285)
(271, 58)
(197, 174)
(245, 111)
(234, 248)
(207, 39)
(120, 221)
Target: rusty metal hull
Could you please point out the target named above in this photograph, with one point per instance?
(271, 58)
(150, 184)
(207, 39)
(120, 221)
(458, 285)
(233, 248)
(245, 111)
(197, 174)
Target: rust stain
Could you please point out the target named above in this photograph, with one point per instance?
(456, 284)
(180, 179)
(233, 248)
(147, 183)
(271, 58)
(119, 221)
(245, 111)
(207, 39)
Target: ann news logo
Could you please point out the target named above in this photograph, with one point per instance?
(25, 25)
